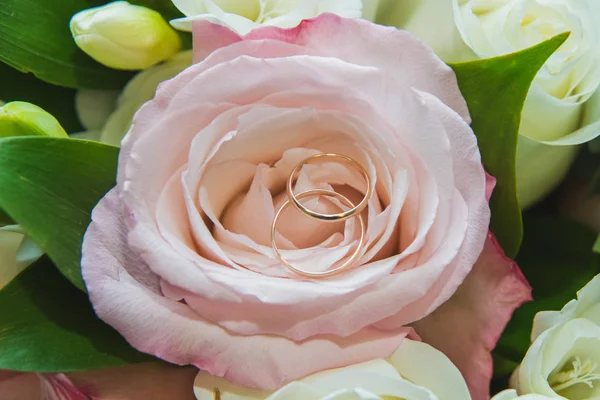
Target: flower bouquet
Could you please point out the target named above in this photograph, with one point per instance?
(285, 199)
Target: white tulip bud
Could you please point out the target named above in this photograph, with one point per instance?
(124, 36)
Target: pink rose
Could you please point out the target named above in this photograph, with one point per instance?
(178, 256)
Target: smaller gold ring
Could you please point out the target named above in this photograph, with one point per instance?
(329, 217)
(346, 264)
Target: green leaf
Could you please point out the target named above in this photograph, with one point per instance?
(557, 261)
(58, 101)
(49, 326)
(597, 245)
(35, 37)
(495, 90)
(49, 186)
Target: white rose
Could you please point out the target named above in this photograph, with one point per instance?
(562, 362)
(461, 30)
(243, 16)
(511, 394)
(586, 306)
(416, 371)
(564, 358)
(16, 253)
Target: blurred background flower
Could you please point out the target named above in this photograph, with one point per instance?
(243, 16)
(562, 109)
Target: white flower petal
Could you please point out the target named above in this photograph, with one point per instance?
(586, 306)
(414, 361)
(540, 168)
(431, 21)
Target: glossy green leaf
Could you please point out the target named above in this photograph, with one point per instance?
(49, 186)
(49, 326)
(557, 261)
(35, 37)
(495, 90)
(597, 245)
(58, 101)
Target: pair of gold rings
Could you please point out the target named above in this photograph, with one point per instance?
(354, 210)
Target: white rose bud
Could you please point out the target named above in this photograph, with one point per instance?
(558, 103)
(416, 371)
(124, 36)
(19, 118)
(243, 16)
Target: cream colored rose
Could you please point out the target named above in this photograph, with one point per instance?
(564, 359)
(243, 16)
(558, 103)
(416, 371)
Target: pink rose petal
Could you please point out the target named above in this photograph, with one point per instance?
(175, 333)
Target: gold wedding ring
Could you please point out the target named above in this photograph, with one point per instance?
(334, 271)
(294, 198)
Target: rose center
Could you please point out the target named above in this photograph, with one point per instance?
(575, 372)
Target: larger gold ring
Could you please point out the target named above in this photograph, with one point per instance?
(329, 217)
(346, 264)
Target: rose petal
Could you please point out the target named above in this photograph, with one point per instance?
(467, 327)
(170, 330)
(371, 44)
